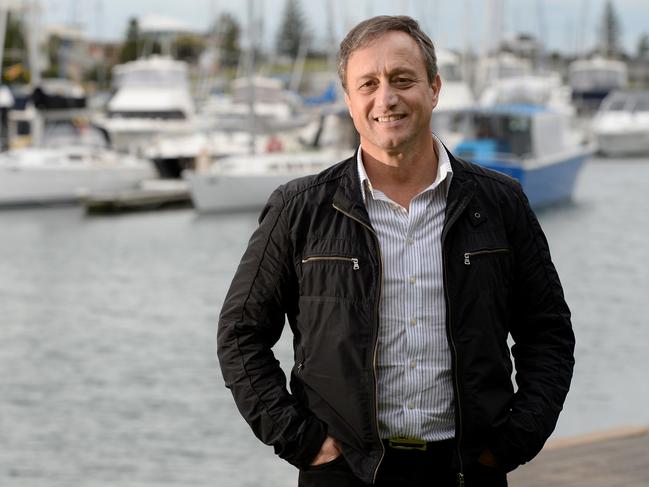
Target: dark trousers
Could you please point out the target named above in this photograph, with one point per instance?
(407, 468)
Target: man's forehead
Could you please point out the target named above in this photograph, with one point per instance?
(398, 57)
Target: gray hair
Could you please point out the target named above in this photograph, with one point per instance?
(371, 29)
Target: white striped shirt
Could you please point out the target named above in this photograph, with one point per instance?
(415, 388)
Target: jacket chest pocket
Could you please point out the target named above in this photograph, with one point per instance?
(488, 267)
(338, 276)
(479, 254)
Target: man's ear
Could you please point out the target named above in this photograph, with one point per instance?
(349, 105)
(436, 87)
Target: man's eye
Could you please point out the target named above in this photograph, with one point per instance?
(368, 84)
(402, 81)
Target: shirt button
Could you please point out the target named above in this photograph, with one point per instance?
(413, 279)
(413, 364)
(413, 321)
(411, 405)
(410, 241)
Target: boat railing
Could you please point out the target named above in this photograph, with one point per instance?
(506, 158)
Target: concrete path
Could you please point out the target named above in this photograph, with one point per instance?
(618, 458)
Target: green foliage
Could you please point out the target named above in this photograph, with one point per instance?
(293, 29)
(228, 33)
(15, 52)
(188, 47)
(610, 32)
(132, 44)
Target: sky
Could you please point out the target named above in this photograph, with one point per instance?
(566, 25)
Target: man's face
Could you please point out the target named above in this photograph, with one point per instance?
(389, 96)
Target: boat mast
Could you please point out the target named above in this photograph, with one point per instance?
(249, 70)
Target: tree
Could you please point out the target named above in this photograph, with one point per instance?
(15, 53)
(188, 47)
(293, 29)
(610, 32)
(132, 44)
(228, 33)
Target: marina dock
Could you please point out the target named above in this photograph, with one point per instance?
(613, 458)
(154, 194)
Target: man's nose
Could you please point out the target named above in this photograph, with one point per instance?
(386, 95)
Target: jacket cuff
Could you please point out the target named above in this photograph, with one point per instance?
(506, 454)
(311, 440)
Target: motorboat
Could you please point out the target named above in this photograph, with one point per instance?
(542, 89)
(244, 182)
(621, 125)
(494, 69)
(592, 79)
(275, 108)
(529, 143)
(455, 95)
(152, 97)
(73, 161)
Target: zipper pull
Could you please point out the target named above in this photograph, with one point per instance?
(356, 266)
(460, 479)
(300, 367)
(467, 260)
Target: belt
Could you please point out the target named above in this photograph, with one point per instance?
(403, 443)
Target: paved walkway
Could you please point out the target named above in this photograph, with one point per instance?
(618, 458)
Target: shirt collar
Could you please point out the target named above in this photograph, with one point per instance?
(444, 170)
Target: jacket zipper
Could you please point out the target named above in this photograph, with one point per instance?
(468, 255)
(353, 260)
(456, 381)
(376, 335)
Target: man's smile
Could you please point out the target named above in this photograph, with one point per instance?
(389, 118)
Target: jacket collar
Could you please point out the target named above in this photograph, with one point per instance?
(349, 197)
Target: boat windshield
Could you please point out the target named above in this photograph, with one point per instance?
(642, 103)
(511, 133)
(631, 102)
(162, 115)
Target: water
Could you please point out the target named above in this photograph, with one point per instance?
(108, 373)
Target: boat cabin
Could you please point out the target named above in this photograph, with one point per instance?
(516, 132)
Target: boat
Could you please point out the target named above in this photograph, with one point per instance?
(71, 163)
(621, 125)
(275, 108)
(542, 89)
(244, 182)
(529, 143)
(456, 95)
(152, 97)
(592, 79)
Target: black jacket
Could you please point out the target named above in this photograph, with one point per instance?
(316, 260)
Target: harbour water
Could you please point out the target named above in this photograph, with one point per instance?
(108, 371)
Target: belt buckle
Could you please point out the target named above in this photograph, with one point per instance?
(403, 443)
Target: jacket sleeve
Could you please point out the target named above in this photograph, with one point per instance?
(544, 342)
(250, 323)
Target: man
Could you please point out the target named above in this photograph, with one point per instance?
(401, 272)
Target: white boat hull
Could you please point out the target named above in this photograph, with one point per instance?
(34, 183)
(248, 188)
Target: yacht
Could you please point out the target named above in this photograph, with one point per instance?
(275, 108)
(244, 182)
(541, 89)
(592, 79)
(73, 160)
(621, 125)
(529, 143)
(152, 98)
(456, 95)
